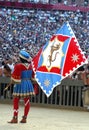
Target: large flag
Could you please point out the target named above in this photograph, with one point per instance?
(57, 59)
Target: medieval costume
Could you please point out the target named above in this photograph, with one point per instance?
(23, 87)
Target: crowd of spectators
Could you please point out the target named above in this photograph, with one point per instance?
(30, 29)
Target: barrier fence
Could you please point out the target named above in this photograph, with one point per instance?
(28, 5)
(69, 94)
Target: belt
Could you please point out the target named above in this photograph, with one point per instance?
(26, 79)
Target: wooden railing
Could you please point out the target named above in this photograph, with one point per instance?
(69, 94)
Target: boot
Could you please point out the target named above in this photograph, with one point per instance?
(14, 120)
(23, 119)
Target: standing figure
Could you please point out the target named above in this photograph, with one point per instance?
(23, 88)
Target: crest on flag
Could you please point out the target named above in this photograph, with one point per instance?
(57, 59)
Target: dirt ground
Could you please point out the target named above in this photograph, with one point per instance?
(45, 119)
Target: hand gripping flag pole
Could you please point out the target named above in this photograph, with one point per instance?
(57, 59)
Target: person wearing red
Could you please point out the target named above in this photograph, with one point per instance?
(23, 87)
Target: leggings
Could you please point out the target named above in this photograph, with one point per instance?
(16, 106)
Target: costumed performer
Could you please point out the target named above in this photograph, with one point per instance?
(23, 88)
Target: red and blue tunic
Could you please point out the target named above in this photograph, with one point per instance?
(22, 75)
